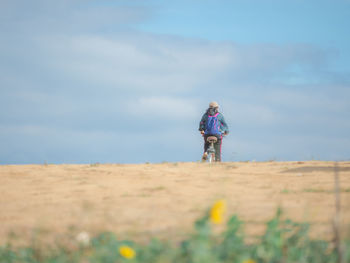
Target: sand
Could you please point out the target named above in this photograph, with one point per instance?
(140, 201)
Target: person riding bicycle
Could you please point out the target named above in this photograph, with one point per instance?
(213, 124)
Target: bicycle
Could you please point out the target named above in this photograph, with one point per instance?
(211, 150)
(209, 154)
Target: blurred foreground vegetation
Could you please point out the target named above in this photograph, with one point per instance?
(284, 241)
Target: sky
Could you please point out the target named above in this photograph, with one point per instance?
(127, 81)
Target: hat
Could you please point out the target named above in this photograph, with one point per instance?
(213, 104)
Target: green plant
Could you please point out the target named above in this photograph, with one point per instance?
(285, 191)
(284, 241)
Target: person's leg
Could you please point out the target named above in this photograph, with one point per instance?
(206, 143)
(206, 146)
(217, 147)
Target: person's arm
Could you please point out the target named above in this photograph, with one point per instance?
(203, 123)
(223, 124)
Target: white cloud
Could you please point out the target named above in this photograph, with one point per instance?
(168, 108)
(73, 16)
(132, 62)
(252, 114)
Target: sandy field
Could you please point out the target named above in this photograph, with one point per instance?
(163, 200)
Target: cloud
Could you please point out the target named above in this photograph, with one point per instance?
(169, 108)
(68, 17)
(135, 62)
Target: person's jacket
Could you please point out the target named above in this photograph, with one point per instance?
(223, 125)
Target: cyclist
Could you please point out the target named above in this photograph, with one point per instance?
(213, 124)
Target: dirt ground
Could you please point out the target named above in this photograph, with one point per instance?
(163, 200)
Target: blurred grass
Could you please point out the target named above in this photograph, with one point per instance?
(284, 241)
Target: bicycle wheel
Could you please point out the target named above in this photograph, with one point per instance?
(211, 157)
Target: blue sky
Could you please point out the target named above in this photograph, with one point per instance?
(128, 81)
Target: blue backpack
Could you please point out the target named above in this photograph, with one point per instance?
(213, 125)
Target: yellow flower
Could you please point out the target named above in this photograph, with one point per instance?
(217, 212)
(127, 252)
(249, 261)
